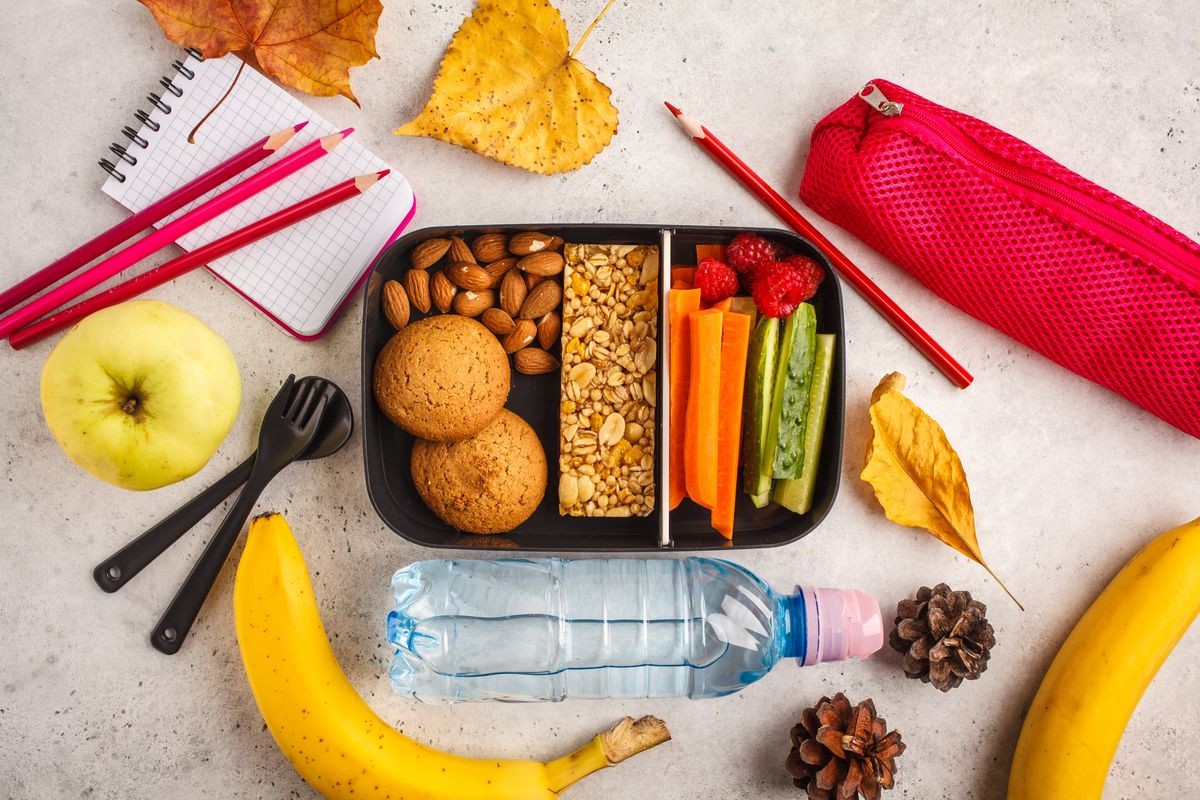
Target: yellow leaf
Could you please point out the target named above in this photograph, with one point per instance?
(918, 478)
(509, 89)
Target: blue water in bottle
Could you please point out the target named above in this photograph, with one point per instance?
(548, 629)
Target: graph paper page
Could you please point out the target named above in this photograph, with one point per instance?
(300, 275)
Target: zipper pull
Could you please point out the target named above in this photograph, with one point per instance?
(872, 96)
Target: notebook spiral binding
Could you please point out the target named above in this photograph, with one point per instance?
(167, 82)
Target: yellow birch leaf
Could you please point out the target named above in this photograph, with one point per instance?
(917, 477)
(509, 89)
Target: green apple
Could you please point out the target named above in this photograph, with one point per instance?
(141, 394)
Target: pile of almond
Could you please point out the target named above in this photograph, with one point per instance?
(499, 279)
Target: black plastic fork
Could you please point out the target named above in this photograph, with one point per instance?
(115, 572)
(287, 429)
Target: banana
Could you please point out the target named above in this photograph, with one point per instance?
(333, 738)
(1075, 722)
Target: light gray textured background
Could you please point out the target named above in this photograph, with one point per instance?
(1068, 480)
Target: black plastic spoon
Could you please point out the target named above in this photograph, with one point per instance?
(336, 425)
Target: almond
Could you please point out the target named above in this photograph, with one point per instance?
(489, 247)
(512, 292)
(469, 276)
(472, 304)
(416, 282)
(500, 267)
(544, 298)
(442, 291)
(522, 244)
(520, 336)
(428, 252)
(395, 304)
(549, 328)
(545, 264)
(497, 321)
(532, 280)
(459, 251)
(534, 361)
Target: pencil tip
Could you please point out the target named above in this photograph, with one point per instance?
(689, 125)
(275, 140)
(334, 139)
(364, 182)
(299, 126)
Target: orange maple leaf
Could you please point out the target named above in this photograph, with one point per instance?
(309, 45)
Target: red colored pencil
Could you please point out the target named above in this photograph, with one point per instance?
(170, 232)
(198, 257)
(845, 268)
(147, 217)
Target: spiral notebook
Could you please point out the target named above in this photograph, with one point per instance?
(300, 277)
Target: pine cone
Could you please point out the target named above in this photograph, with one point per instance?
(944, 636)
(840, 751)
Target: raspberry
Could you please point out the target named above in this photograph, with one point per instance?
(715, 280)
(810, 269)
(748, 250)
(773, 283)
(781, 286)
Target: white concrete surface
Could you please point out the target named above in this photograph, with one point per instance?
(1068, 480)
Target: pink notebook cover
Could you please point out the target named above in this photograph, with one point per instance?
(300, 278)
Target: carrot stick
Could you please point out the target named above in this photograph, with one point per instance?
(683, 277)
(716, 251)
(735, 342)
(723, 305)
(680, 304)
(703, 411)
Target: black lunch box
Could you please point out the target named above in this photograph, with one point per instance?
(387, 448)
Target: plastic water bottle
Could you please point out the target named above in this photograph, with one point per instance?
(548, 629)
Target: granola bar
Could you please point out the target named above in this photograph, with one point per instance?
(609, 347)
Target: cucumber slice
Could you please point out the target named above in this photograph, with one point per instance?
(784, 453)
(760, 379)
(767, 451)
(797, 494)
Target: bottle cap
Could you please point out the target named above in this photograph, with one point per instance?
(842, 623)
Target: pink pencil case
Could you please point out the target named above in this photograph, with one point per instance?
(1018, 241)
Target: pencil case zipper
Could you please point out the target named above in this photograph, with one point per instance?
(1119, 227)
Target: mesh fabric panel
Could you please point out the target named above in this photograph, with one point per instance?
(991, 249)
